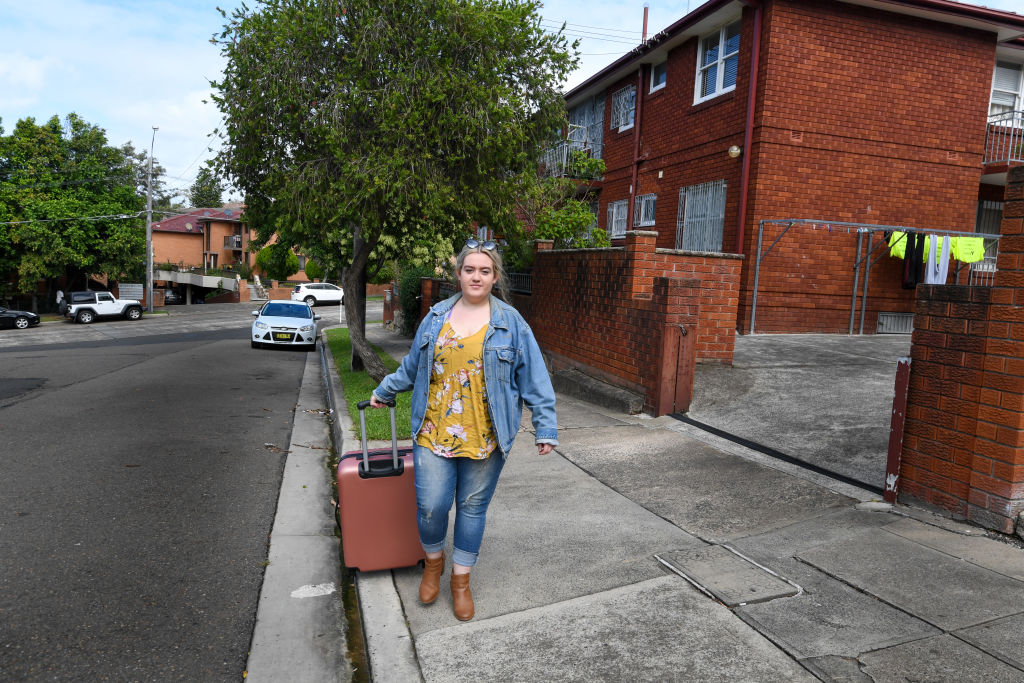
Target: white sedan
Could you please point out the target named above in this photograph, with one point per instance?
(284, 323)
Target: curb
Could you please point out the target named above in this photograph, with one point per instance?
(390, 652)
(300, 622)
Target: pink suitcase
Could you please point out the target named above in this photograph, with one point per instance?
(377, 505)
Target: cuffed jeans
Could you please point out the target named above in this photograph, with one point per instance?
(466, 482)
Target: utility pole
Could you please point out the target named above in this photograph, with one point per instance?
(149, 226)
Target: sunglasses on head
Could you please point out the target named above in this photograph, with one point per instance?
(486, 246)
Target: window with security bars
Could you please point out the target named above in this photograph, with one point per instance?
(617, 218)
(593, 206)
(643, 209)
(718, 62)
(623, 108)
(701, 217)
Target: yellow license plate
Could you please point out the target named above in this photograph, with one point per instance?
(282, 336)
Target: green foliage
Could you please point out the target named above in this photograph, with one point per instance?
(243, 269)
(380, 129)
(54, 176)
(314, 271)
(277, 261)
(408, 295)
(359, 386)
(206, 191)
(554, 209)
(385, 274)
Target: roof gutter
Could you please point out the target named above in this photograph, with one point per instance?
(748, 126)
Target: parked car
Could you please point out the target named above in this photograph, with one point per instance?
(314, 293)
(171, 297)
(21, 320)
(85, 307)
(284, 323)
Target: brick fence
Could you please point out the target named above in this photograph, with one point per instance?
(963, 449)
(616, 314)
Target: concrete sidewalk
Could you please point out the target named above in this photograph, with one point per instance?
(646, 549)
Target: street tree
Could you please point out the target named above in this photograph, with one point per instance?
(365, 131)
(207, 190)
(71, 204)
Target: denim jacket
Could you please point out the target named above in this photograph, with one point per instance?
(514, 374)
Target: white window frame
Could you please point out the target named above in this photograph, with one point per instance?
(655, 87)
(1000, 87)
(617, 218)
(623, 117)
(644, 209)
(704, 212)
(718, 64)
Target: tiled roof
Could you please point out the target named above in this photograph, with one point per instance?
(193, 220)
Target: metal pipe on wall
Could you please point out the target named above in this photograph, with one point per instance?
(856, 277)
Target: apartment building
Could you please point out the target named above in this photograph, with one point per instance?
(802, 131)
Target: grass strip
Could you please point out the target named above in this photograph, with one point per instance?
(359, 385)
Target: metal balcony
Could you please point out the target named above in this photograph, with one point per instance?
(1004, 138)
(554, 162)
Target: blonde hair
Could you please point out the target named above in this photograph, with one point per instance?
(501, 284)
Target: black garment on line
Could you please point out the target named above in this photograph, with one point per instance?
(913, 261)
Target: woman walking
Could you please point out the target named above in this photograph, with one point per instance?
(473, 364)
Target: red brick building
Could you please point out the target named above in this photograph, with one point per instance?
(879, 112)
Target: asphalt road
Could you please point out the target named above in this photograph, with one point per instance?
(140, 464)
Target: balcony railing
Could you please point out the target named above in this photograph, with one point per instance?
(1004, 140)
(555, 161)
(232, 241)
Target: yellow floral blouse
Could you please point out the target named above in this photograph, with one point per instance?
(457, 423)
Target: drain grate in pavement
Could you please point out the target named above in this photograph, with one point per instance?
(727, 576)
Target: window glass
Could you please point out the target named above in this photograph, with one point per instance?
(658, 75)
(644, 209)
(701, 217)
(718, 61)
(623, 108)
(617, 218)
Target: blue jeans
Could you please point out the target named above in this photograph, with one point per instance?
(466, 482)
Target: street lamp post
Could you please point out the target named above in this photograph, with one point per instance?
(149, 226)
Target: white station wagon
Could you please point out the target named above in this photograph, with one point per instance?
(314, 293)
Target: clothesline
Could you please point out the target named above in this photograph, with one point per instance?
(845, 227)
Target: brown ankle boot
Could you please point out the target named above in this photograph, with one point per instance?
(430, 584)
(462, 598)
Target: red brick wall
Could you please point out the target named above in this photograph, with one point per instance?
(963, 448)
(685, 143)
(854, 121)
(605, 309)
(855, 124)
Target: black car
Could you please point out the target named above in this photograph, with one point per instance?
(19, 319)
(171, 297)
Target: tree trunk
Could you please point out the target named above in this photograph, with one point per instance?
(354, 283)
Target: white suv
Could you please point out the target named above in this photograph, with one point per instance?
(314, 293)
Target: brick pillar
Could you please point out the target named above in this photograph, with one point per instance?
(430, 293)
(963, 449)
(640, 245)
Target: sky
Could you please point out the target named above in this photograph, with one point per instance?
(129, 65)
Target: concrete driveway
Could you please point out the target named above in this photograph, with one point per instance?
(824, 399)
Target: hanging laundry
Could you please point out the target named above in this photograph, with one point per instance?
(937, 267)
(897, 244)
(914, 261)
(968, 249)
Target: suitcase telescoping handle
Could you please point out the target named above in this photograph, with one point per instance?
(362, 406)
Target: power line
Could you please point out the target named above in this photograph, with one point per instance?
(599, 28)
